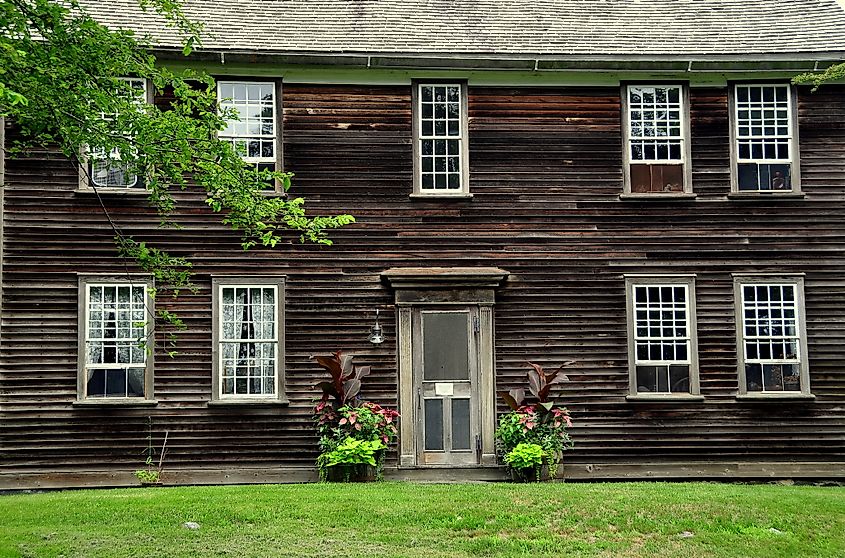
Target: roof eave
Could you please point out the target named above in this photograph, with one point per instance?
(748, 62)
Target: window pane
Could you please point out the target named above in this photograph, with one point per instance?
(445, 346)
(771, 337)
(461, 424)
(253, 132)
(434, 424)
(440, 116)
(661, 338)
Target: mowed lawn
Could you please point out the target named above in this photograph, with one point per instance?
(455, 520)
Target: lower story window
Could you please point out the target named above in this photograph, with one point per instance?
(771, 335)
(663, 356)
(248, 338)
(114, 361)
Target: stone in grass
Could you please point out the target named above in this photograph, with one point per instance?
(686, 535)
(191, 525)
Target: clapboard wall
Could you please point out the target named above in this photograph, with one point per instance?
(545, 174)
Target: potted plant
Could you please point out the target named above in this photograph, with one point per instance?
(532, 438)
(354, 434)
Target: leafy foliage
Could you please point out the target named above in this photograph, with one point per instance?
(351, 451)
(366, 422)
(525, 456)
(539, 384)
(346, 417)
(541, 424)
(60, 83)
(835, 72)
(345, 383)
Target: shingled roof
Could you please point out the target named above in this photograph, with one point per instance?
(503, 28)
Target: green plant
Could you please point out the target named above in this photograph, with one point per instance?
(525, 456)
(542, 424)
(152, 474)
(350, 451)
(346, 417)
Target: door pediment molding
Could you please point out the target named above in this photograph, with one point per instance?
(445, 285)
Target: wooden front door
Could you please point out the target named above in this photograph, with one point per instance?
(446, 384)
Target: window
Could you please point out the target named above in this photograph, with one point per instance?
(764, 138)
(114, 362)
(771, 335)
(107, 170)
(440, 124)
(248, 338)
(663, 351)
(656, 143)
(255, 136)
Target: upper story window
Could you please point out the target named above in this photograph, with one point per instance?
(440, 125)
(663, 351)
(108, 169)
(771, 335)
(255, 136)
(248, 338)
(764, 138)
(113, 357)
(656, 139)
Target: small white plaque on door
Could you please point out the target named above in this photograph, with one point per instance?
(444, 389)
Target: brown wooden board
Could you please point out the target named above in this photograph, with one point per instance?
(546, 178)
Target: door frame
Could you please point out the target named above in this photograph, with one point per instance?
(417, 287)
(448, 456)
(410, 440)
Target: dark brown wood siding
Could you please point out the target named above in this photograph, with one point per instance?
(546, 174)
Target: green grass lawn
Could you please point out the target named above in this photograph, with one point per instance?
(456, 520)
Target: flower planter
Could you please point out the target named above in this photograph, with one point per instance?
(529, 474)
(358, 472)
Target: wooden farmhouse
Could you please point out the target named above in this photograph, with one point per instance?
(633, 185)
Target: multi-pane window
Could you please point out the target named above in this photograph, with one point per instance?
(763, 130)
(254, 135)
(771, 339)
(441, 165)
(115, 340)
(662, 336)
(249, 350)
(656, 138)
(109, 169)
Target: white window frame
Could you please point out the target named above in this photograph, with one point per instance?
(797, 282)
(684, 138)
(86, 158)
(463, 141)
(792, 137)
(277, 283)
(85, 284)
(687, 282)
(276, 137)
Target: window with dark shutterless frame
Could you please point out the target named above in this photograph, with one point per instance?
(662, 338)
(656, 146)
(115, 361)
(771, 335)
(440, 129)
(764, 145)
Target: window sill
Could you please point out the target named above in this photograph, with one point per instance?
(776, 396)
(669, 397)
(439, 196)
(249, 403)
(116, 402)
(113, 191)
(659, 196)
(765, 194)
